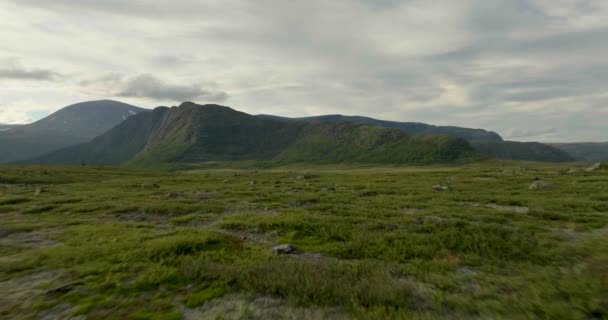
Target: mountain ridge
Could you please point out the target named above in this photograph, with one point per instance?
(487, 143)
(194, 133)
(584, 151)
(71, 125)
(414, 128)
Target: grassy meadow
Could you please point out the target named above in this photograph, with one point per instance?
(374, 243)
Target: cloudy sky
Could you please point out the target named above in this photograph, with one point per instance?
(528, 69)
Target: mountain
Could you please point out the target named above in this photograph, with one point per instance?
(585, 151)
(194, 133)
(6, 127)
(527, 151)
(413, 128)
(69, 126)
(486, 143)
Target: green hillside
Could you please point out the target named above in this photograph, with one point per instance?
(115, 147)
(344, 142)
(585, 151)
(413, 128)
(191, 134)
(527, 151)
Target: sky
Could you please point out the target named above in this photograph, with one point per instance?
(531, 70)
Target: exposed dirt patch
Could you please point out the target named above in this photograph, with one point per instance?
(575, 236)
(18, 295)
(137, 217)
(190, 195)
(411, 210)
(239, 307)
(501, 208)
(26, 240)
(260, 212)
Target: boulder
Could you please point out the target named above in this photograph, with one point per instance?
(594, 167)
(541, 185)
(440, 188)
(285, 249)
(307, 176)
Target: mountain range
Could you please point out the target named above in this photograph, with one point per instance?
(414, 128)
(585, 151)
(192, 134)
(69, 126)
(113, 133)
(486, 143)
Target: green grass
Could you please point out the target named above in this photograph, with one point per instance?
(376, 243)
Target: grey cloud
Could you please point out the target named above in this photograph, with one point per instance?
(514, 61)
(150, 87)
(134, 8)
(517, 133)
(12, 69)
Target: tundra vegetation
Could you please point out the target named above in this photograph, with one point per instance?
(358, 242)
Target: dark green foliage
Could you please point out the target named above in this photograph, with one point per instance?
(527, 151)
(487, 143)
(413, 128)
(344, 142)
(585, 151)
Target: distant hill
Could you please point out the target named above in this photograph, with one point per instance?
(413, 128)
(585, 151)
(486, 143)
(527, 151)
(6, 127)
(69, 126)
(194, 133)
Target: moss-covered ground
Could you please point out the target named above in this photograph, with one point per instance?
(374, 243)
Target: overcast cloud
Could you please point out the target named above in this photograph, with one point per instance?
(528, 69)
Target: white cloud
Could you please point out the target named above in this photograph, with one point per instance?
(500, 65)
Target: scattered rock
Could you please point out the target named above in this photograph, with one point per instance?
(329, 188)
(276, 234)
(193, 195)
(302, 204)
(369, 194)
(285, 249)
(39, 191)
(150, 186)
(541, 185)
(440, 188)
(573, 171)
(226, 181)
(594, 167)
(253, 182)
(307, 176)
(63, 289)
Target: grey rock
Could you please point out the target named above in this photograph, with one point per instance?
(285, 249)
(594, 167)
(440, 188)
(541, 185)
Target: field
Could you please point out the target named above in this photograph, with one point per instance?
(373, 243)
